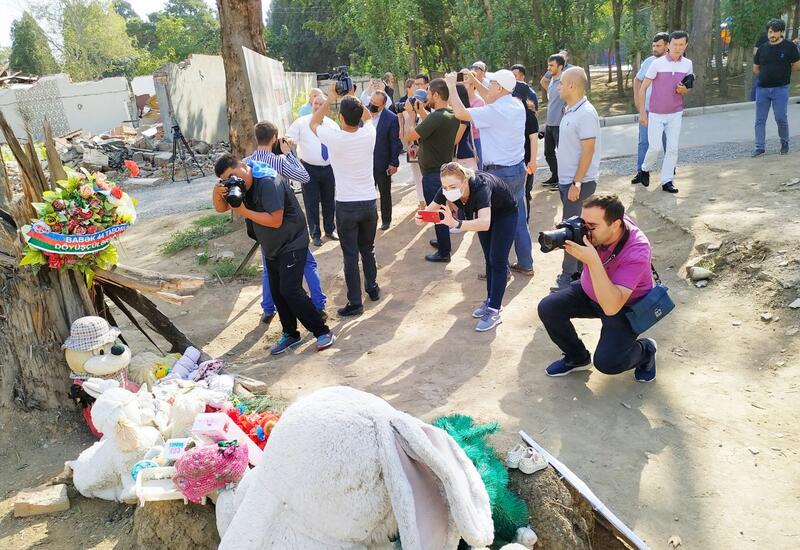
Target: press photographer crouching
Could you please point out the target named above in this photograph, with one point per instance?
(617, 273)
(489, 208)
(257, 193)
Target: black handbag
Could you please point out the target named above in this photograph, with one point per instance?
(651, 308)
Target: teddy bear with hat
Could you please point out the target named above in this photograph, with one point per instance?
(92, 351)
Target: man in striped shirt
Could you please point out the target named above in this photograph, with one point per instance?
(288, 167)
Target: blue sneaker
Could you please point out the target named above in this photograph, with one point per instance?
(325, 341)
(563, 368)
(647, 372)
(491, 318)
(285, 342)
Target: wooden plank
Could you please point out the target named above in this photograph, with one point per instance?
(145, 280)
(57, 171)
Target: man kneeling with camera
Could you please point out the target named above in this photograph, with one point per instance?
(257, 193)
(616, 257)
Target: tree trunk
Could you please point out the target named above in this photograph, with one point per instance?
(796, 26)
(412, 49)
(702, 15)
(677, 15)
(610, 73)
(616, 7)
(721, 72)
(241, 25)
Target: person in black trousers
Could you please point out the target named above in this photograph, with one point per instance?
(272, 212)
(386, 154)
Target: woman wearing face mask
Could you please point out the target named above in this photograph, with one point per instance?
(489, 208)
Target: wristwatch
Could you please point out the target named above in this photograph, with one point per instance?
(577, 184)
(458, 225)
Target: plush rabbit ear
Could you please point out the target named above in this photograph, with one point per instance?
(426, 473)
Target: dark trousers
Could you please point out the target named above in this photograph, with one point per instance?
(431, 183)
(291, 300)
(383, 182)
(618, 349)
(357, 222)
(550, 146)
(496, 244)
(319, 189)
(528, 197)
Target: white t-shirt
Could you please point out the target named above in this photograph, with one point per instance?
(351, 159)
(309, 148)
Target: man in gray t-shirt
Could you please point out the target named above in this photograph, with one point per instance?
(578, 156)
(555, 110)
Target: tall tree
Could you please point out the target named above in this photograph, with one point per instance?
(700, 37)
(30, 52)
(241, 26)
(616, 12)
(296, 34)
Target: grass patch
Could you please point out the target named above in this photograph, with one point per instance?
(224, 269)
(202, 231)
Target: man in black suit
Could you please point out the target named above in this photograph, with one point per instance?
(386, 152)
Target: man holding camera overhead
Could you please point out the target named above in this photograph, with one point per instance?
(578, 156)
(274, 215)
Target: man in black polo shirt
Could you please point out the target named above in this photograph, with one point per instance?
(774, 62)
(277, 222)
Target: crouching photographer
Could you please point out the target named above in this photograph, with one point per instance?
(617, 275)
(257, 193)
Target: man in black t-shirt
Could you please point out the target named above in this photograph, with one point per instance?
(277, 222)
(774, 62)
(531, 142)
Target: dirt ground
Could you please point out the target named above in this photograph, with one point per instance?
(708, 452)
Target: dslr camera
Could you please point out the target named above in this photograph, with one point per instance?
(236, 189)
(419, 95)
(572, 229)
(343, 81)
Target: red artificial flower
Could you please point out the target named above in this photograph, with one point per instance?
(71, 259)
(117, 192)
(92, 229)
(58, 205)
(132, 167)
(79, 230)
(54, 261)
(86, 213)
(57, 227)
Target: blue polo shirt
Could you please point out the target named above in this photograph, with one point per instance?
(502, 126)
(641, 76)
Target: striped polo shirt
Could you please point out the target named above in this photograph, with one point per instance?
(666, 74)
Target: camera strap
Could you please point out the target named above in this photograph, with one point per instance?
(619, 247)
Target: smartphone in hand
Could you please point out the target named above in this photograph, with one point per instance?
(430, 217)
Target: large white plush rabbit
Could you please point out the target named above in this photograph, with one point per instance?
(104, 469)
(343, 470)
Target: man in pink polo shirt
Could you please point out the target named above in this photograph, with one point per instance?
(666, 75)
(616, 259)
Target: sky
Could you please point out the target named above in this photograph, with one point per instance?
(12, 9)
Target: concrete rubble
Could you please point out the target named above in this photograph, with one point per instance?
(41, 500)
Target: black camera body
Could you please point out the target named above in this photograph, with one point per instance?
(236, 190)
(343, 81)
(572, 229)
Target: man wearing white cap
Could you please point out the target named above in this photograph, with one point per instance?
(502, 125)
(479, 67)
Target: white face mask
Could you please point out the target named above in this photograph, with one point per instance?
(452, 194)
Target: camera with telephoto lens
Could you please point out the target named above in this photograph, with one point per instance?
(236, 189)
(343, 81)
(572, 229)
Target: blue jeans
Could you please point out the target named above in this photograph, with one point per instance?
(479, 152)
(496, 244)
(431, 184)
(778, 97)
(312, 280)
(642, 151)
(514, 176)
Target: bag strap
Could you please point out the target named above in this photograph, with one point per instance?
(655, 274)
(618, 248)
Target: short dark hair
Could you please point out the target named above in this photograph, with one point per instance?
(351, 110)
(776, 25)
(519, 67)
(612, 207)
(439, 86)
(677, 35)
(383, 95)
(224, 162)
(559, 59)
(265, 131)
(409, 82)
(661, 36)
(424, 77)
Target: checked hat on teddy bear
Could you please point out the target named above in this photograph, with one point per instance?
(88, 333)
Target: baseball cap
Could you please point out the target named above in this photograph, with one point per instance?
(420, 95)
(479, 65)
(505, 78)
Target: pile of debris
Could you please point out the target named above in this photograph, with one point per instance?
(152, 154)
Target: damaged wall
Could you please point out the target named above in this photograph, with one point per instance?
(94, 107)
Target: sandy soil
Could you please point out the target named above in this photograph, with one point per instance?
(708, 452)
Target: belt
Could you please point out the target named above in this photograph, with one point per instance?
(314, 165)
(498, 166)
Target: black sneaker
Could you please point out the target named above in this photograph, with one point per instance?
(758, 153)
(375, 293)
(645, 178)
(316, 241)
(350, 310)
(562, 367)
(637, 178)
(438, 258)
(267, 318)
(553, 180)
(332, 236)
(385, 226)
(785, 149)
(669, 188)
(647, 372)
(434, 243)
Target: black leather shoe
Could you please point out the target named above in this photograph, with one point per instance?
(553, 180)
(267, 318)
(384, 226)
(316, 241)
(374, 294)
(637, 178)
(350, 310)
(669, 188)
(645, 178)
(434, 243)
(437, 258)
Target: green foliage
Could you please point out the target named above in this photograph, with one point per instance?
(30, 52)
(750, 18)
(509, 512)
(202, 231)
(224, 269)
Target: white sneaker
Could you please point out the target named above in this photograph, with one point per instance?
(454, 230)
(514, 455)
(531, 461)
